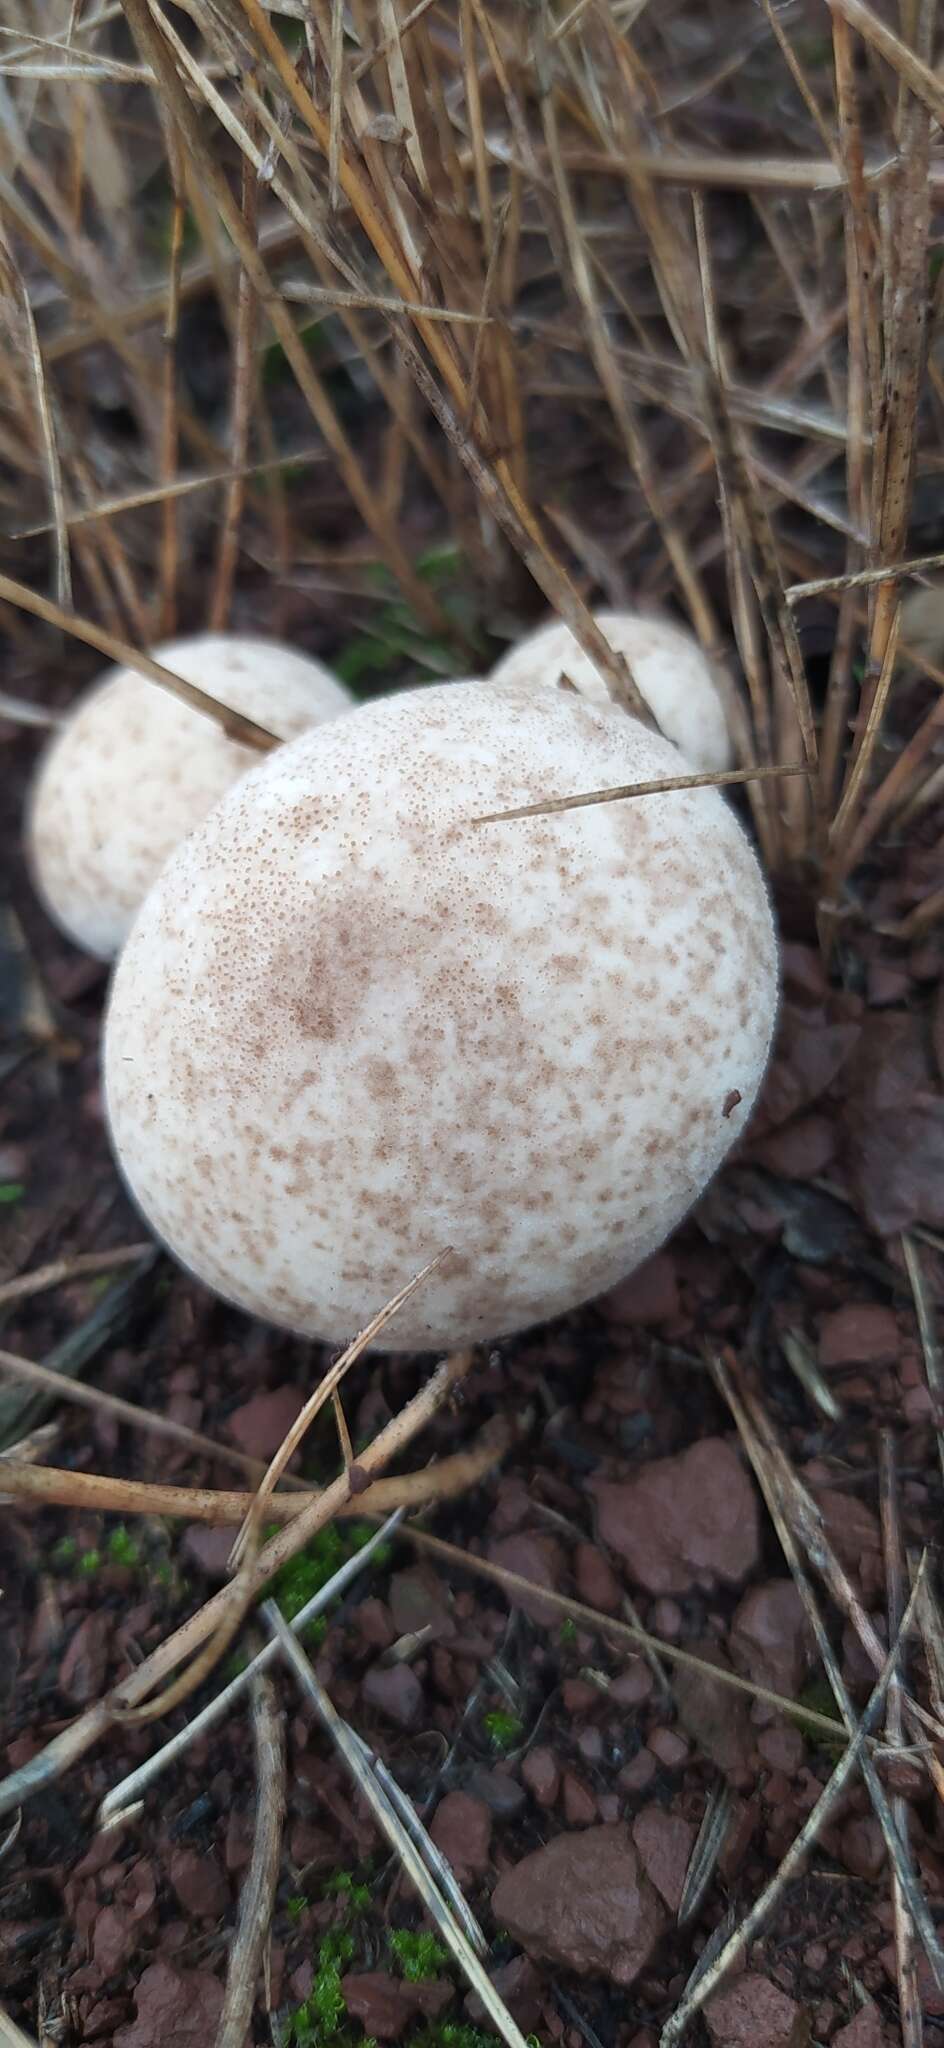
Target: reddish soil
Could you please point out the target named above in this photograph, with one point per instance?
(627, 1486)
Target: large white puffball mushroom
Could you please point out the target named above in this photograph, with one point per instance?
(351, 1026)
(134, 769)
(668, 667)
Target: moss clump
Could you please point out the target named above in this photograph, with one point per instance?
(419, 1955)
(122, 1548)
(319, 2021)
(504, 1730)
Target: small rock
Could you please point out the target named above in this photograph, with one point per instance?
(113, 1938)
(930, 1999)
(640, 1771)
(682, 1522)
(584, 1903)
(199, 1884)
(782, 1748)
(536, 1557)
(770, 1637)
(208, 1549)
(419, 1599)
(713, 1714)
(519, 1984)
(597, 1583)
(580, 1806)
(499, 1791)
(373, 1619)
(860, 1333)
(395, 1691)
(632, 1686)
(670, 1749)
(385, 2005)
(862, 1846)
(82, 1671)
(541, 1773)
(751, 2011)
(578, 1696)
(263, 1423)
(665, 1842)
(650, 1295)
(865, 2031)
(182, 2006)
(462, 1829)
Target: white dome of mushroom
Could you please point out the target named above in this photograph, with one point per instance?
(671, 673)
(134, 769)
(350, 1026)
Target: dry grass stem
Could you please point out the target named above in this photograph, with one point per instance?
(909, 2000)
(96, 1493)
(257, 1897)
(390, 1824)
(61, 1272)
(124, 655)
(765, 1904)
(716, 779)
(123, 1796)
(187, 1640)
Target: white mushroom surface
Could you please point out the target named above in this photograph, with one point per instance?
(350, 1026)
(134, 769)
(668, 667)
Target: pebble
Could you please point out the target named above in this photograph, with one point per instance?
(770, 1637)
(199, 1884)
(862, 1847)
(580, 1806)
(665, 1842)
(684, 1521)
(859, 1333)
(498, 1790)
(182, 2006)
(462, 1829)
(670, 1749)
(396, 1692)
(536, 1557)
(262, 1423)
(633, 1685)
(751, 2011)
(597, 1583)
(583, 1903)
(541, 1773)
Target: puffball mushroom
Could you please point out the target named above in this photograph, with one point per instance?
(134, 769)
(669, 669)
(352, 1026)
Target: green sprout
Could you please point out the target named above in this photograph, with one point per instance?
(90, 1562)
(568, 1634)
(11, 1191)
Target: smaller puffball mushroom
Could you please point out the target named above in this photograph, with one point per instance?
(352, 1026)
(134, 769)
(668, 667)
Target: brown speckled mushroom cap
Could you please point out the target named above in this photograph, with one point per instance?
(135, 769)
(350, 1027)
(669, 668)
